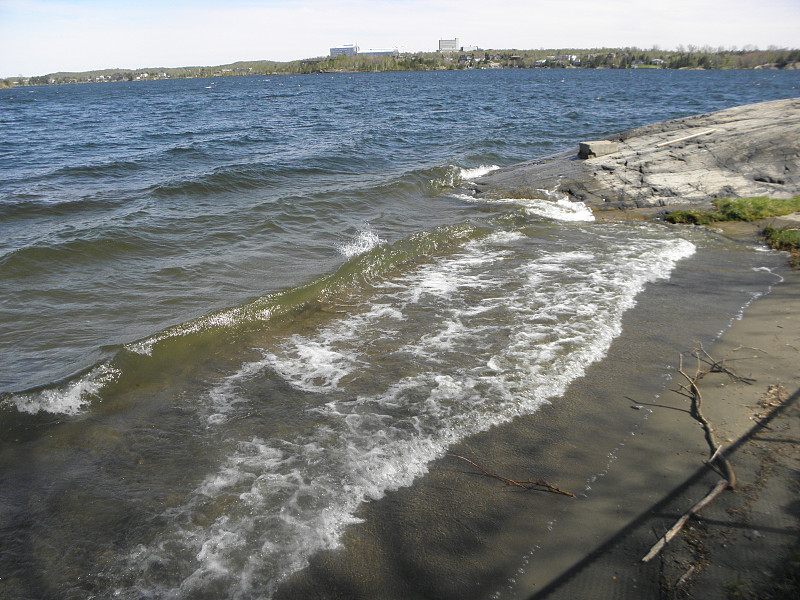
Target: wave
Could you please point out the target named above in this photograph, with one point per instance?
(251, 176)
(364, 241)
(361, 270)
(554, 205)
(365, 267)
(63, 250)
(51, 201)
(475, 172)
(370, 433)
(69, 398)
(450, 176)
(92, 172)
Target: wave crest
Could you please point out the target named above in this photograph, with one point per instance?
(364, 241)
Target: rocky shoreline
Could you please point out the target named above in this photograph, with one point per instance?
(751, 150)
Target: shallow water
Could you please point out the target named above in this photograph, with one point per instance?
(236, 312)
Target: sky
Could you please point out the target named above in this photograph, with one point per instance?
(38, 37)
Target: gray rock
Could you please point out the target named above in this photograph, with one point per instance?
(751, 150)
(597, 148)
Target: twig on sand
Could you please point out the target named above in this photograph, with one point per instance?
(526, 485)
(686, 576)
(719, 366)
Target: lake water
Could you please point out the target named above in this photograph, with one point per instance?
(234, 312)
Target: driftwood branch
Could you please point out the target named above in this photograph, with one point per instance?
(720, 366)
(716, 454)
(685, 138)
(716, 450)
(526, 485)
(673, 531)
(686, 576)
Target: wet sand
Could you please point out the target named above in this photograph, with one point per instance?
(737, 542)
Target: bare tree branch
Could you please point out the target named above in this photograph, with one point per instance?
(526, 485)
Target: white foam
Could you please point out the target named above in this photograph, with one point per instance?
(226, 395)
(447, 338)
(454, 175)
(466, 197)
(364, 241)
(476, 172)
(313, 365)
(505, 237)
(68, 399)
(560, 209)
(555, 206)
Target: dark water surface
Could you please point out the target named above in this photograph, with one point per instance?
(235, 313)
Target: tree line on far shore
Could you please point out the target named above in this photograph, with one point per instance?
(690, 57)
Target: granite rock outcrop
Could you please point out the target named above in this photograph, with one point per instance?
(751, 150)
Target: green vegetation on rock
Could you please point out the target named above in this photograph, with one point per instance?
(787, 239)
(754, 209)
(736, 209)
(693, 217)
(750, 209)
(783, 239)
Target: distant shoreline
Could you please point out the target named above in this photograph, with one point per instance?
(596, 58)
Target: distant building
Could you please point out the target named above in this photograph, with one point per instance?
(449, 45)
(347, 50)
(371, 52)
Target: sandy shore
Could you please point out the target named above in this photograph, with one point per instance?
(736, 544)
